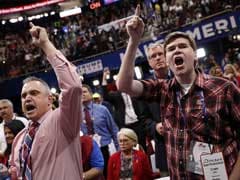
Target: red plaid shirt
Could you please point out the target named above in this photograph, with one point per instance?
(218, 125)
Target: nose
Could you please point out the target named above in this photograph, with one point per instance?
(28, 97)
(7, 135)
(177, 50)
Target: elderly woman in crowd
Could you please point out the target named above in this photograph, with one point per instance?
(128, 163)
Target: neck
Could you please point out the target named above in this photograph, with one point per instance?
(187, 79)
(161, 74)
(127, 153)
(8, 119)
(86, 103)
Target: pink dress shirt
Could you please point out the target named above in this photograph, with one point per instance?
(56, 151)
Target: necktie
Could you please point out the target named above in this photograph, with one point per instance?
(25, 158)
(89, 122)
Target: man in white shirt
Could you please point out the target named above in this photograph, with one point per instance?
(7, 114)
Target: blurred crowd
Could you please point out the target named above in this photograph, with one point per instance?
(83, 35)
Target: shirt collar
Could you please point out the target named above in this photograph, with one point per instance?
(40, 121)
(199, 81)
(89, 105)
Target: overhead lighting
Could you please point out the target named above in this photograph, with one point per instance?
(46, 14)
(81, 77)
(138, 72)
(201, 53)
(20, 18)
(53, 90)
(38, 16)
(96, 82)
(3, 22)
(13, 20)
(115, 77)
(70, 12)
(30, 18)
(52, 13)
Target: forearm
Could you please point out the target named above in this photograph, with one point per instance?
(48, 48)
(235, 174)
(92, 173)
(125, 81)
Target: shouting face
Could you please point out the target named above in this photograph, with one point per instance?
(36, 100)
(181, 57)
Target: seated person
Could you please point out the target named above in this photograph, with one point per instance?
(92, 159)
(129, 163)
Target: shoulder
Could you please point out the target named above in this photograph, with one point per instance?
(100, 107)
(138, 152)
(116, 155)
(215, 82)
(21, 118)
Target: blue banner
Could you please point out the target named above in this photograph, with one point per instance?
(203, 31)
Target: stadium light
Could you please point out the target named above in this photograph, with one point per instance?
(70, 12)
(201, 53)
(20, 18)
(138, 72)
(115, 77)
(96, 82)
(52, 13)
(53, 90)
(14, 20)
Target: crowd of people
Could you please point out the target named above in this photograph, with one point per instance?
(180, 117)
(82, 35)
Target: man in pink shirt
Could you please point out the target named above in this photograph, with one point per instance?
(55, 151)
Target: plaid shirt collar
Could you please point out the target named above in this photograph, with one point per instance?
(199, 81)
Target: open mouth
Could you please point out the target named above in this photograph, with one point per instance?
(30, 107)
(178, 61)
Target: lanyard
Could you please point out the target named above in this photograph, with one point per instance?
(204, 111)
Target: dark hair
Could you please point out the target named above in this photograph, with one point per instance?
(88, 88)
(174, 35)
(15, 126)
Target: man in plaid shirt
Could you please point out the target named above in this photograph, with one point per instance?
(196, 108)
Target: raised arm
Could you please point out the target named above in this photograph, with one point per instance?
(40, 39)
(69, 82)
(125, 81)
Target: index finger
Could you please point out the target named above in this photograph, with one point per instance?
(31, 24)
(137, 10)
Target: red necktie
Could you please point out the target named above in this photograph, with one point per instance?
(89, 122)
(25, 151)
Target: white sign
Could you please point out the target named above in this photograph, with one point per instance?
(214, 167)
(90, 67)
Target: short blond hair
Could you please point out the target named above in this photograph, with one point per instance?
(128, 133)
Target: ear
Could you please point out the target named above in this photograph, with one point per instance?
(167, 61)
(50, 99)
(195, 60)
